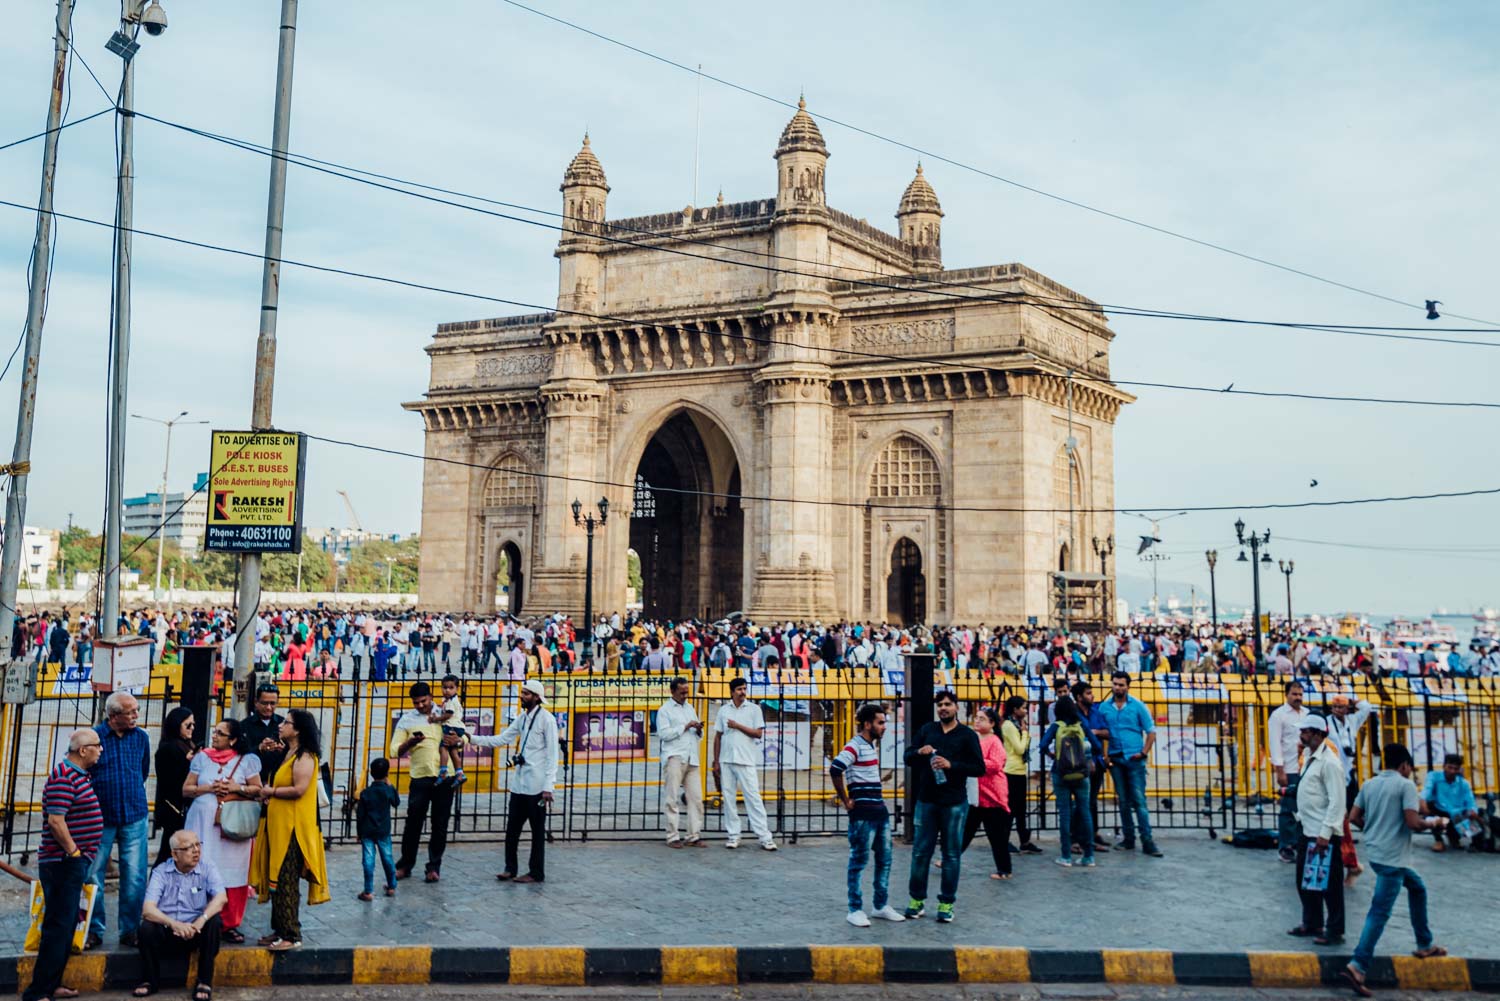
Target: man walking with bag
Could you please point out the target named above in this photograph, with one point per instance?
(1320, 812)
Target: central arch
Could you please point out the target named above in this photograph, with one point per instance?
(510, 579)
(906, 585)
(687, 525)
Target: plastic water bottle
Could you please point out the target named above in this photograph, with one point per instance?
(938, 775)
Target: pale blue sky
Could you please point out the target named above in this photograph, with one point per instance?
(1354, 140)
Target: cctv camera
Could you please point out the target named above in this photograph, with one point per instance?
(154, 19)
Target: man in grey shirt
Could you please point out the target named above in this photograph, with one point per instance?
(1388, 809)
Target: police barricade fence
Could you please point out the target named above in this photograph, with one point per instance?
(1209, 768)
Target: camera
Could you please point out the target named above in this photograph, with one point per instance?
(516, 760)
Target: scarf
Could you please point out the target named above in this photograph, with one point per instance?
(218, 757)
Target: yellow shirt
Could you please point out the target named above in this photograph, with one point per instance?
(284, 819)
(422, 760)
(1017, 742)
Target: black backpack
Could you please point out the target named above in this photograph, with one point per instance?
(1071, 748)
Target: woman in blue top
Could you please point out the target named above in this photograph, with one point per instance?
(1072, 797)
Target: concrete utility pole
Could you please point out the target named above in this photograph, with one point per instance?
(36, 310)
(248, 602)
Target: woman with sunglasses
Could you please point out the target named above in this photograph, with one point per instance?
(220, 774)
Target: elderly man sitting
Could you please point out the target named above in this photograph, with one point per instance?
(181, 915)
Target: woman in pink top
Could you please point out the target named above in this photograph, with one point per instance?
(993, 810)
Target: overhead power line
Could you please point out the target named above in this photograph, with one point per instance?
(931, 363)
(898, 505)
(909, 284)
(951, 161)
(60, 128)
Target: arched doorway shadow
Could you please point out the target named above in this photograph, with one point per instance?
(686, 523)
(906, 585)
(510, 579)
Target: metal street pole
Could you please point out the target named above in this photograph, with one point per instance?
(248, 600)
(1213, 591)
(588, 524)
(1254, 540)
(36, 310)
(1286, 570)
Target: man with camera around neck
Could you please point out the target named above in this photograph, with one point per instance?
(535, 762)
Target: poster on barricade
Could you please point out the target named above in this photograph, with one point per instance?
(609, 734)
(1438, 689)
(1199, 688)
(786, 745)
(618, 691)
(75, 680)
(1186, 746)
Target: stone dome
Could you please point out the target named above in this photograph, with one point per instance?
(919, 197)
(585, 169)
(801, 133)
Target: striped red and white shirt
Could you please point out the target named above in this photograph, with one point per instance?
(70, 795)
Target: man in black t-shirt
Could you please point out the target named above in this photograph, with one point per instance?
(260, 732)
(943, 756)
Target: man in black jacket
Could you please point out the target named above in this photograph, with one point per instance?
(942, 756)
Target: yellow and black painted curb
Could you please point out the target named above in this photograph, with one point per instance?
(726, 964)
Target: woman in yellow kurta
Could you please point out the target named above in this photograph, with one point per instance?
(291, 845)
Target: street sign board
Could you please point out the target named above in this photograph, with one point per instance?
(255, 492)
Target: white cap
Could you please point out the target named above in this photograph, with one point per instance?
(535, 688)
(1313, 721)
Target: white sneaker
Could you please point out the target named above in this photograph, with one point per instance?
(769, 846)
(888, 913)
(732, 843)
(858, 919)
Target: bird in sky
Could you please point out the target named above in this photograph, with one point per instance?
(1432, 305)
(1147, 542)
(1227, 388)
(1313, 483)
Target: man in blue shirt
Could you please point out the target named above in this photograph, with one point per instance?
(119, 780)
(1132, 733)
(1448, 794)
(181, 912)
(1093, 721)
(1192, 653)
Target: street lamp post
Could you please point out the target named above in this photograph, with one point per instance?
(589, 524)
(161, 521)
(134, 15)
(1154, 559)
(1213, 591)
(1286, 571)
(1104, 550)
(1254, 540)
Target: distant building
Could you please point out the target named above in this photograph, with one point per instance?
(342, 540)
(39, 555)
(187, 516)
(87, 580)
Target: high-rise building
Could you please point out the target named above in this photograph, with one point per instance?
(187, 515)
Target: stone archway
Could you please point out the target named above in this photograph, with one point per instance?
(687, 526)
(510, 579)
(906, 585)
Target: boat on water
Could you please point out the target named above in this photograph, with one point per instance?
(1404, 632)
(1487, 623)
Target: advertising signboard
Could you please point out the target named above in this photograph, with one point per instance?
(255, 492)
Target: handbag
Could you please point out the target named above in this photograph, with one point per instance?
(238, 819)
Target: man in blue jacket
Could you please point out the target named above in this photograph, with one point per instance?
(1132, 733)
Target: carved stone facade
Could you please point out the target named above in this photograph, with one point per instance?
(852, 432)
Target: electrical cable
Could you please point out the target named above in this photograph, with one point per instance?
(870, 505)
(766, 340)
(916, 283)
(60, 128)
(1118, 217)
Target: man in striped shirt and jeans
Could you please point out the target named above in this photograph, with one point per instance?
(70, 840)
(855, 772)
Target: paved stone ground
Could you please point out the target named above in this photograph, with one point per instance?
(801, 992)
(1204, 896)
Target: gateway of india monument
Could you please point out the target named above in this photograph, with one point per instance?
(791, 412)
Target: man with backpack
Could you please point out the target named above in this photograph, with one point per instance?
(942, 756)
(1132, 733)
(1073, 748)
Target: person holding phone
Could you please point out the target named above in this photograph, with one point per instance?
(418, 738)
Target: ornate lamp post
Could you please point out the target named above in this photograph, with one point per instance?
(588, 523)
(1213, 592)
(1286, 571)
(1104, 550)
(1254, 540)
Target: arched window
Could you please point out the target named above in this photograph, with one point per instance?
(1060, 483)
(510, 484)
(906, 468)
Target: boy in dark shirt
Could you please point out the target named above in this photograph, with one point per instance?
(372, 820)
(942, 757)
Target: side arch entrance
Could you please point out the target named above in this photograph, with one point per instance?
(906, 585)
(510, 579)
(686, 523)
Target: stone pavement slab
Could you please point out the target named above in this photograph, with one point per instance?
(1203, 897)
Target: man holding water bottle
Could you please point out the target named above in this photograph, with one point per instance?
(942, 757)
(1320, 812)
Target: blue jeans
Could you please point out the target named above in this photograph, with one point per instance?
(133, 872)
(369, 847)
(1073, 803)
(934, 820)
(862, 833)
(1130, 790)
(1389, 880)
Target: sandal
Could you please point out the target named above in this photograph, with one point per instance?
(233, 936)
(1431, 952)
(284, 945)
(141, 991)
(203, 992)
(1356, 983)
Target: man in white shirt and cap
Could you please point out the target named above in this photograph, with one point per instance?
(535, 761)
(1320, 813)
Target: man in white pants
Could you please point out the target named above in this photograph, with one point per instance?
(737, 730)
(679, 729)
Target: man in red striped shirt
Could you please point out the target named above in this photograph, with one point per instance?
(69, 841)
(855, 772)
